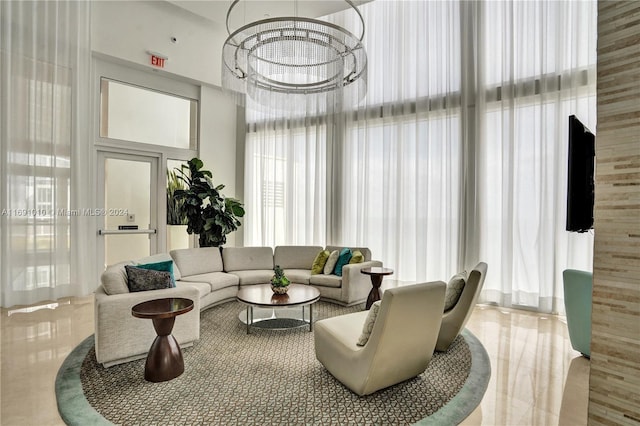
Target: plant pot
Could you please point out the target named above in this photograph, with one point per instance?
(279, 290)
(279, 299)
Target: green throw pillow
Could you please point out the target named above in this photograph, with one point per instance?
(343, 259)
(165, 266)
(319, 262)
(357, 257)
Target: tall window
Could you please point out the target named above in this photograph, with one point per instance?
(458, 152)
(44, 67)
(285, 184)
(399, 187)
(538, 68)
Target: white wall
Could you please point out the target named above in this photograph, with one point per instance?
(218, 127)
(127, 30)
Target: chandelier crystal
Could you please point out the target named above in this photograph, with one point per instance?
(294, 62)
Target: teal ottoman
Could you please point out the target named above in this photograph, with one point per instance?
(578, 286)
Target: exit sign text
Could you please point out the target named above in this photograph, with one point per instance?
(157, 61)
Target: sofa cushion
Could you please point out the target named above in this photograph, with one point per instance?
(114, 278)
(298, 276)
(343, 259)
(216, 280)
(326, 280)
(331, 262)
(203, 288)
(165, 265)
(196, 261)
(356, 257)
(139, 279)
(454, 290)
(247, 258)
(365, 251)
(318, 263)
(367, 327)
(262, 276)
(160, 257)
(295, 257)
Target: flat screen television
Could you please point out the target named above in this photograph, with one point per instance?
(580, 181)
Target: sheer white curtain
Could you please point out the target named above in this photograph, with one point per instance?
(45, 157)
(285, 179)
(458, 153)
(536, 67)
(386, 175)
(399, 178)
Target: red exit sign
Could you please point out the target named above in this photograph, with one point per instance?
(157, 61)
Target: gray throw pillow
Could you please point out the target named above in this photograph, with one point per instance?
(139, 279)
(114, 279)
(454, 290)
(331, 262)
(367, 327)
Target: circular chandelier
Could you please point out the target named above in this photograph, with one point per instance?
(293, 61)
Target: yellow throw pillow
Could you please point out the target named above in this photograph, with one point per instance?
(319, 262)
(357, 257)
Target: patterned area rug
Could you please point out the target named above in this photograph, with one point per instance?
(266, 377)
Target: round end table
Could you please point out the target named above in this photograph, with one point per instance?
(164, 361)
(376, 273)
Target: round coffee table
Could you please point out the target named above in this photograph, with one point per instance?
(261, 296)
(164, 361)
(376, 274)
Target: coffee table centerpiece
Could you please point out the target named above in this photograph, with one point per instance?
(279, 283)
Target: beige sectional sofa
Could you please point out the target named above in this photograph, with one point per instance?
(209, 277)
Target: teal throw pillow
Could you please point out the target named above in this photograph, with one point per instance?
(165, 266)
(343, 259)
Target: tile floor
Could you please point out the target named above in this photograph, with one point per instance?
(537, 378)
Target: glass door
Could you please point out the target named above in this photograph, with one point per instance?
(129, 188)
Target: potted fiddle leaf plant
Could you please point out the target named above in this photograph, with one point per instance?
(210, 214)
(279, 283)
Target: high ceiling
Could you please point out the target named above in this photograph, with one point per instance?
(251, 10)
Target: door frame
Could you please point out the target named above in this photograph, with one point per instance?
(130, 73)
(158, 205)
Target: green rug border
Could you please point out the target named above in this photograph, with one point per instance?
(473, 390)
(72, 404)
(76, 410)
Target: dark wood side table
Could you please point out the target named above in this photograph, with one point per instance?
(164, 361)
(376, 274)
